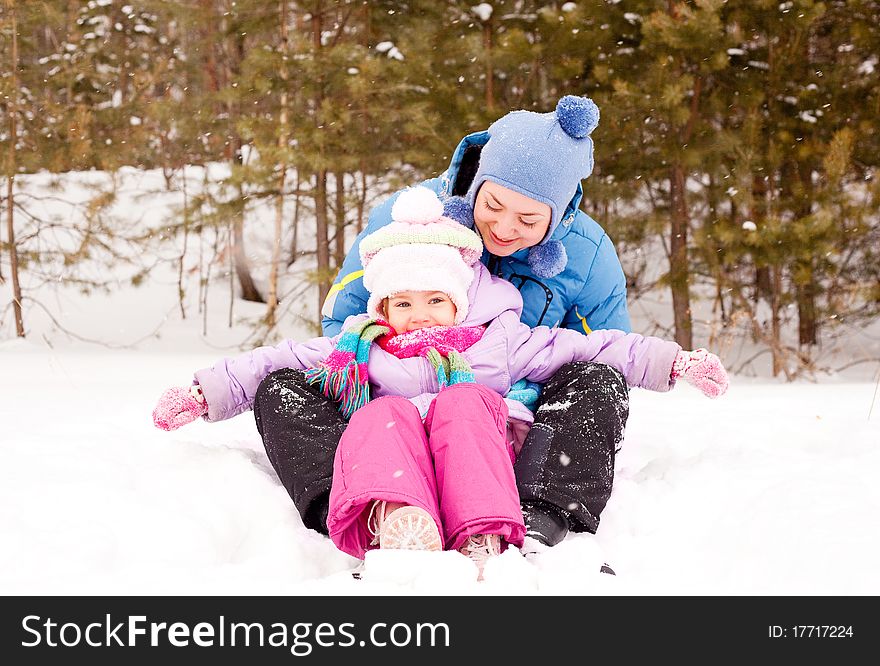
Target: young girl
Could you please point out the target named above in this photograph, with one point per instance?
(428, 462)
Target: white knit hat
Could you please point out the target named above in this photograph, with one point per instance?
(420, 250)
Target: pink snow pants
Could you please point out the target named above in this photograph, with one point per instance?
(457, 466)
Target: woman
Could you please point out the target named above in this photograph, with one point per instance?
(522, 180)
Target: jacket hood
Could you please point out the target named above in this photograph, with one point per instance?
(490, 296)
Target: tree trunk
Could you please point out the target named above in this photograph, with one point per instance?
(272, 305)
(181, 292)
(808, 330)
(294, 242)
(339, 239)
(366, 40)
(775, 327)
(322, 249)
(679, 271)
(322, 245)
(272, 301)
(209, 39)
(362, 199)
(763, 286)
(10, 178)
(122, 79)
(807, 287)
(249, 291)
(490, 76)
(367, 18)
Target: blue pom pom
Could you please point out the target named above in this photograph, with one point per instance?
(549, 259)
(460, 210)
(578, 116)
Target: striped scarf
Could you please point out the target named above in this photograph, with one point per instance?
(451, 369)
(343, 375)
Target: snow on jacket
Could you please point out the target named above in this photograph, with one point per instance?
(589, 294)
(508, 351)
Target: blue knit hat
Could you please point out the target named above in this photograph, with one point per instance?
(543, 156)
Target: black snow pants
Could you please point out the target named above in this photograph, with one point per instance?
(567, 459)
(300, 428)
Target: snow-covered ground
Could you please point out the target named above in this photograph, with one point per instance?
(770, 490)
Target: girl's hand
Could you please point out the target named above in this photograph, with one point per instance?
(179, 406)
(702, 369)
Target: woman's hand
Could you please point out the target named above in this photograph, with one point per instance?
(179, 406)
(702, 369)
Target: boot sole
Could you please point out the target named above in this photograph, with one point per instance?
(410, 528)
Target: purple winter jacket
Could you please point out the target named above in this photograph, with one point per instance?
(508, 351)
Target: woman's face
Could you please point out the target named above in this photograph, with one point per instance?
(509, 221)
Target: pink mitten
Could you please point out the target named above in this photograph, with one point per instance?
(179, 406)
(702, 369)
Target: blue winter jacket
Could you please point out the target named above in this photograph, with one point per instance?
(590, 293)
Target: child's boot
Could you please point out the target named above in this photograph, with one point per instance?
(479, 548)
(403, 528)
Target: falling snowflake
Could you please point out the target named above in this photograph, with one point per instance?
(483, 11)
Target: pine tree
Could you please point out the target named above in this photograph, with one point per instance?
(793, 87)
(662, 109)
(105, 71)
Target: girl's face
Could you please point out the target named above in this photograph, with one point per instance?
(411, 310)
(509, 221)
